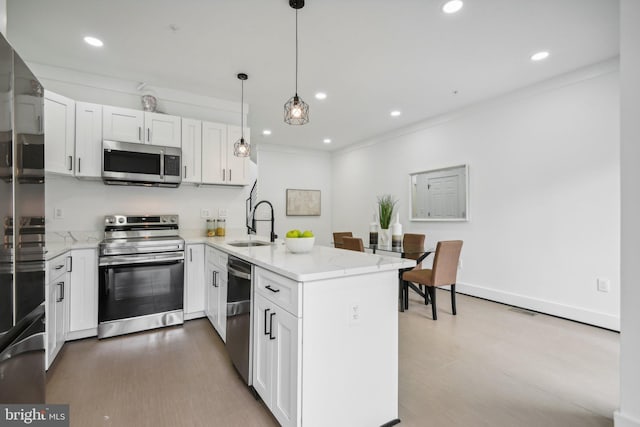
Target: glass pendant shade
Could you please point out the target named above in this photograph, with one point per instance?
(241, 148)
(296, 111)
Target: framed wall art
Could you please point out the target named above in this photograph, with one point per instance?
(303, 202)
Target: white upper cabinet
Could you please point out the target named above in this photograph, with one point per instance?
(162, 129)
(128, 125)
(122, 124)
(214, 144)
(219, 165)
(59, 123)
(236, 166)
(28, 115)
(191, 151)
(88, 140)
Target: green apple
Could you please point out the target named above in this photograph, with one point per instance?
(293, 234)
(307, 233)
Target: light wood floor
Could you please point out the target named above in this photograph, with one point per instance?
(487, 366)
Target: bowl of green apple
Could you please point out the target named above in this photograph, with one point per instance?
(299, 242)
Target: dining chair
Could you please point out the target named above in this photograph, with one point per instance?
(412, 248)
(352, 244)
(337, 238)
(443, 273)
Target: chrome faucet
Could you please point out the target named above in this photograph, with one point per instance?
(251, 228)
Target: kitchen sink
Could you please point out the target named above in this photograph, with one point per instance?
(248, 243)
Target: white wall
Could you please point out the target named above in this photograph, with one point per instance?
(85, 203)
(286, 167)
(544, 192)
(3, 17)
(629, 413)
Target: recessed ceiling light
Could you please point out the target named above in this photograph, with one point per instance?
(327, 140)
(321, 95)
(395, 113)
(93, 41)
(452, 6)
(539, 56)
(266, 132)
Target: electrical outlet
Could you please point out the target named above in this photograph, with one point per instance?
(354, 313)
(222, 213)
(58, 213)
(205, 213)
(603, 284)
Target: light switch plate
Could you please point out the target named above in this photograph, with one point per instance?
(222, 213)
(58, 213)
(205, 213)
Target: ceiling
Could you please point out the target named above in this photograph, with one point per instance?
(369, 56)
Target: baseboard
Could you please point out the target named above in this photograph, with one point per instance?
(622, 420)
(78, 335)
(544, 306)
(194, 315)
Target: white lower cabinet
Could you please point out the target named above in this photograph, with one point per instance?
(216, 290)
(194, 295)
(56, 305)
(276, 359)
(83, 294)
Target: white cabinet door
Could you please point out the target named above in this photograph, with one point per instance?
(222, 304)
(162, 129)
(122, 124)
(83, 290)
(88, 140)
(191, 150)
(214, 152)
(236, 166)
(194, 294)
(59, 123)
(28, 115)
(50, 307)
(285, 367)
(262, 308)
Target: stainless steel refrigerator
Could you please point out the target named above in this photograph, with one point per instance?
(22, 261)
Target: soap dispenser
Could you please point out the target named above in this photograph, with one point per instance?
(396, 233)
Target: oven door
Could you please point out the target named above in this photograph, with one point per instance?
(139, 285)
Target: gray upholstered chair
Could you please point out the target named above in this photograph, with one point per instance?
(443, 273)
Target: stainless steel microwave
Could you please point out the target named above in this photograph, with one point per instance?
(126, 163)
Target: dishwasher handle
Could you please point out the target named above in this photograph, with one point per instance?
(237, 273)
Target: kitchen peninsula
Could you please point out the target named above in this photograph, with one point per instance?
(325, 332)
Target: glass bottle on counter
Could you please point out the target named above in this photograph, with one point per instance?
(211, 227)
(221, 228)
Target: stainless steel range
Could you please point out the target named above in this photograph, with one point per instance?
(141, 274)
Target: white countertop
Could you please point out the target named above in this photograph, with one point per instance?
(321, 263)
(59, 243)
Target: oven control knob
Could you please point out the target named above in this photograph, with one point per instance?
(110, 220)
(173, 219)
(164, 219)
(120, 220)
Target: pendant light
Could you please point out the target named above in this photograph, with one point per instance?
(242, 148)
(296, 111)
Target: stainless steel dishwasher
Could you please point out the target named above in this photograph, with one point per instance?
(239, 316)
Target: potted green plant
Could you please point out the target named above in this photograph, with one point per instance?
(386, 205)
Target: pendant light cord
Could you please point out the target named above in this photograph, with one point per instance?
(296, 52)
(242, 111)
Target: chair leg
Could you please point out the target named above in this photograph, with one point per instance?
(426, 294)
(406, 295)
(432, 295)
(401, 294)
(453, 298)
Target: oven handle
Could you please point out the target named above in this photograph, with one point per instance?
(114, 252)
(128, 259)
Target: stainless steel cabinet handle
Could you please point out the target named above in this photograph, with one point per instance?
(215, 279)
(70, 268)
(190, 254)
(58, 267)
(266, 310)
(40, 124)
(185, 171)
(148, 134)
(140, 133)
(70, 162)
(271, 337)
(271, 289)
(79, 164)
(229, 174)
(61, 297)
(6, 160)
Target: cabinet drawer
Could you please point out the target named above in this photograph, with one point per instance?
(281, 290)
(58, 266)
(216, 257)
